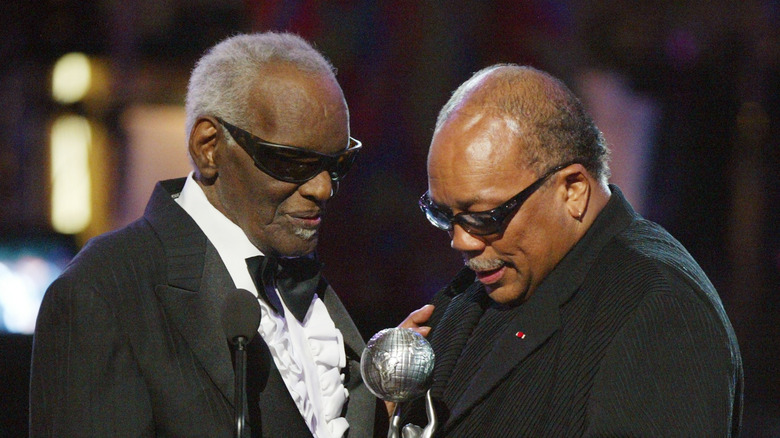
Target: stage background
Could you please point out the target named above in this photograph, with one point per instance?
(686, 93)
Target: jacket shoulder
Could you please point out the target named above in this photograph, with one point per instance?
(115, 259)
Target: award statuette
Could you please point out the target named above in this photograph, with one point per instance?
(397, 366)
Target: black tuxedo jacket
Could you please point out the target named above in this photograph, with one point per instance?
(625, 337)
(129, 342)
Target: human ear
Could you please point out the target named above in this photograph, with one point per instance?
(577, 192)
(203, 144)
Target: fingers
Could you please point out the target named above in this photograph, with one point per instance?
(415, 320)
(424, 330)
(421, 315)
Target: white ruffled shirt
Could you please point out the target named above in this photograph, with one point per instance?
(310, 354)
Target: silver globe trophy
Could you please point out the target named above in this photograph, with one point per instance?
(397, 366)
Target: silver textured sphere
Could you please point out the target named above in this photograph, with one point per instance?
(397, 364)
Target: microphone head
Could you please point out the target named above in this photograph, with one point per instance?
(240, 315)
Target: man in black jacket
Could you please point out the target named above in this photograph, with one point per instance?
(574, 316)
(129, 340)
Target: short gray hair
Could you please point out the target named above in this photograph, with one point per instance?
(558, 128)
(222, 79)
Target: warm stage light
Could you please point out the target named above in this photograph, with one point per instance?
(71, 78)
(71, 139)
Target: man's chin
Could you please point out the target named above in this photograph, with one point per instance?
(506, 294)
(305, 242)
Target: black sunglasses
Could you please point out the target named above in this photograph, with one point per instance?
(293, 164)
(481, 223)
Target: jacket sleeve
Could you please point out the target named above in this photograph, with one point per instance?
(672, 370)
(84, 377)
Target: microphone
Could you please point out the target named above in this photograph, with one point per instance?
(240, 321)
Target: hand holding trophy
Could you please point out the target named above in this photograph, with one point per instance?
(397, 366)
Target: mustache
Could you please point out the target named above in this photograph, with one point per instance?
(484, 264)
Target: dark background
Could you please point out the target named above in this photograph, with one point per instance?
(709, 68)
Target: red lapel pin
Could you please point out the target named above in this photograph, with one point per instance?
(520, 335)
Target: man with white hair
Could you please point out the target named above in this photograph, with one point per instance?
(129, 340)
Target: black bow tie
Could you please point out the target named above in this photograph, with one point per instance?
(296, 279)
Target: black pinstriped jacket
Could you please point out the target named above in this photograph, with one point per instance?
(625, 337)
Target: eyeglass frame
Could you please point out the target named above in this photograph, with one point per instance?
(354, 146)
(497, 216)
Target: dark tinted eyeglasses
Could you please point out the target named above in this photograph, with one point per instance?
(481, 223)
(293, 164)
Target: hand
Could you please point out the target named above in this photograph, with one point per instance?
(418, 317)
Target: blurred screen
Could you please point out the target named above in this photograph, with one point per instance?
(27, 266)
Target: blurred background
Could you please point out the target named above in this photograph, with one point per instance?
(685, 91)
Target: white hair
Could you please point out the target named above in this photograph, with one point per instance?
(220, 82)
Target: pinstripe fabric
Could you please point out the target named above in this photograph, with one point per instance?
(491, 323)
(625, 337)
(469, 308)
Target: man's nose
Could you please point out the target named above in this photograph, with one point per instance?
(319, 188)
(465, 242)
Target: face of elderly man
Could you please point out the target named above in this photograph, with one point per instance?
(288, 107)
(475, 164)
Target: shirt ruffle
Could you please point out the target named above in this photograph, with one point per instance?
(326, 346)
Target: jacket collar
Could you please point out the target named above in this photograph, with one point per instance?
(195, 284)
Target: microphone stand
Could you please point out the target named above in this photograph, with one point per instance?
(240, 395)
(240, 320)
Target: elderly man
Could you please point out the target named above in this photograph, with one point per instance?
(130, 341)
(574, 316)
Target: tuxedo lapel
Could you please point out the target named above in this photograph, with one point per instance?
(196, 284)
(353, 341)
(196, 315)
